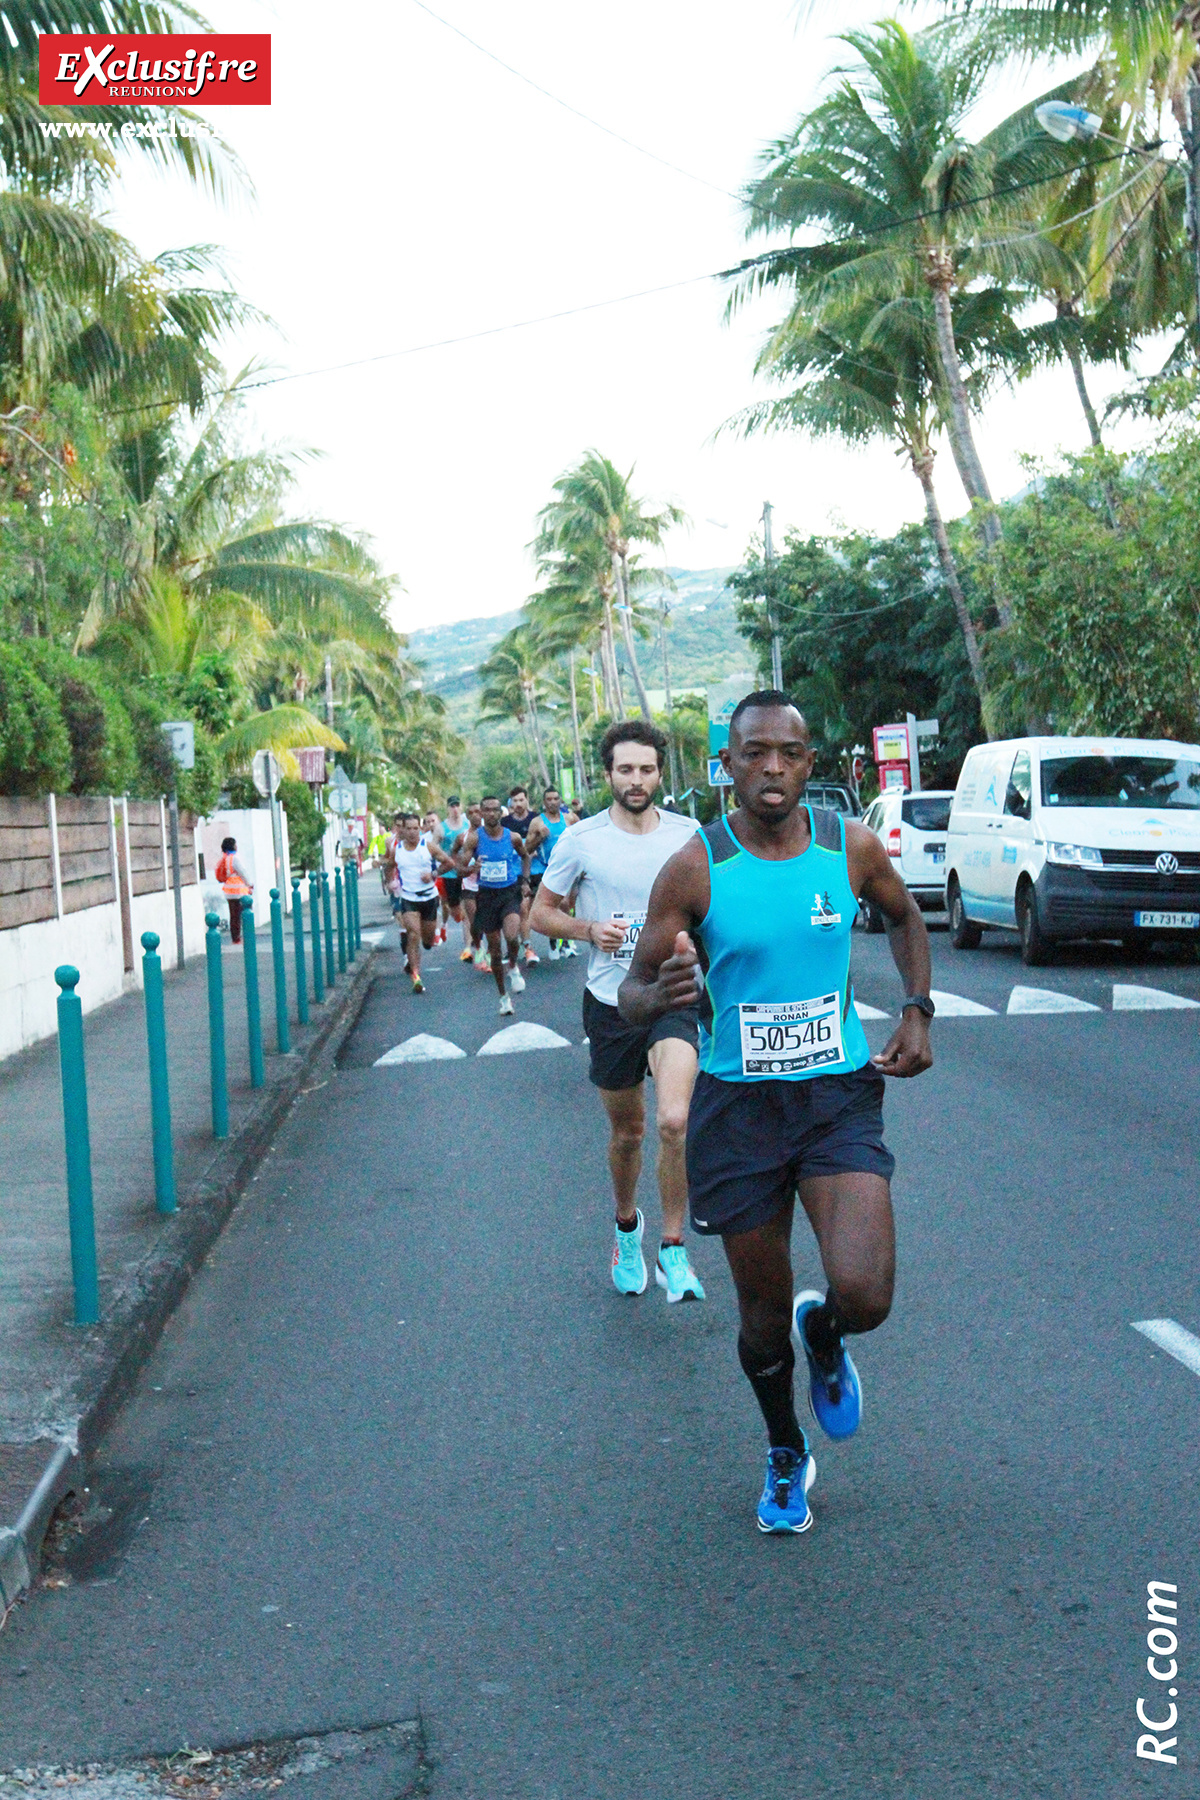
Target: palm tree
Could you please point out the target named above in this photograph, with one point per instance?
(576, 607)
(882, 168)
(514, 677)
(866, 372)
(596, 507)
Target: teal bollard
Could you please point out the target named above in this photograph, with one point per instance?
(351, 903)
(80, 1212)
(327, 928)
(358, 908)
(216, 1027)
(298, 940)
(314, 915)
(341, 920)
(283, 1041)
(160, 1086)
(258, 1074)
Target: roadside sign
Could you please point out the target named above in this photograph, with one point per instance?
(891, 743)
(265, 771)
(181, 735)
(312, 764)
(717, 776)
(722, 699)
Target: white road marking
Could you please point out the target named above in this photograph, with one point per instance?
(1172, 1338)
(372, 937)
(1129, 998)
(957, 1006)
(422, 1048)
(1046, 1000)
(525, 1036)
(869, 1012)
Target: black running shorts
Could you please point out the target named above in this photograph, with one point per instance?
(452, 889)
(426, 910)
(620, 1053)
(493, 906)
(750, 1142)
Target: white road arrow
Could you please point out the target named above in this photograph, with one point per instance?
(422, 1048)
(1172, 1338)
(869, 1012)
(1128, 998)
(957, 1006)
(1046, 1000)
(524, 1036)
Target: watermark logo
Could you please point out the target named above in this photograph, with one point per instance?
(1162, 1643)
(204, 69)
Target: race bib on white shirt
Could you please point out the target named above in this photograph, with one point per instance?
(633, 922)
(790, 1038)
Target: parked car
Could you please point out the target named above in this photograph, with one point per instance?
(1060, 838)
(834, 795)
(912, 829)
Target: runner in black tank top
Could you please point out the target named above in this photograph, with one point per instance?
(788, 1099)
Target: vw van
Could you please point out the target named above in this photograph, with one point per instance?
(1058, 837)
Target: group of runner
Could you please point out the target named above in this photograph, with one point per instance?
(719, 964)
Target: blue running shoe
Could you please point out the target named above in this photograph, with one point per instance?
(834, 1390)
(628, 1264)
(784, 1504)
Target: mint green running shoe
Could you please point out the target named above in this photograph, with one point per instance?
(628, 1264)
(674, 1272)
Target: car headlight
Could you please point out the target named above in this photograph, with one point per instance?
(1074, 855)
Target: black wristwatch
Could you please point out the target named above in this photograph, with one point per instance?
(922, 1002)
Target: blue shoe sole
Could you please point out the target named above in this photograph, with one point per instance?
(833, 1428)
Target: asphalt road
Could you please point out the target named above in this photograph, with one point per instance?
(404, 1450)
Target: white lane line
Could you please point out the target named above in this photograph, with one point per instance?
(869, 1012)
(957, 1006)
(372, 937)
(422, 1048)
(1046, 1000)
(525, 1036)
(1127, 997)
(1172, 1338)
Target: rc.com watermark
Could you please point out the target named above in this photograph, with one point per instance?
(1162, 1665)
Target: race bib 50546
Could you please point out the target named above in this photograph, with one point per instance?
(790, 1038)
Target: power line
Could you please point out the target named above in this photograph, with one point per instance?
(567, 107)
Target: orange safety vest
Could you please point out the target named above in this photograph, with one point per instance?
(231, 882)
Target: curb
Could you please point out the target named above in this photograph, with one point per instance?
(113, 1353)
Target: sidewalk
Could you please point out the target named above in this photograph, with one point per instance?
(59, 1382)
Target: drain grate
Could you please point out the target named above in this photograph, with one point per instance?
(380, 1762)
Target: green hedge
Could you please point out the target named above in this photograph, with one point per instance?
(306, 826)
(104, 757)
(35, 750)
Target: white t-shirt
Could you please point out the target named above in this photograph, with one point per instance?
(616, 870)
(415, 869)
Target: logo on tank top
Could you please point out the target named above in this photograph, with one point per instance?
(823, 916)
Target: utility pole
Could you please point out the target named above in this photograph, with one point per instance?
(1191, 152)
(672, 749)
(329, 692)
(772, 615)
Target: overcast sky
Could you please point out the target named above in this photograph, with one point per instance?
(407, 189)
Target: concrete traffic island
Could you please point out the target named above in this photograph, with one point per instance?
(61, 1383)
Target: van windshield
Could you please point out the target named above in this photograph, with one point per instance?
(927, 815)
(1161, 782)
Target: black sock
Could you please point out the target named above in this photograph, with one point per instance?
(824, 1327)
(772, 1384)
(671, 1243)
(627, 1224)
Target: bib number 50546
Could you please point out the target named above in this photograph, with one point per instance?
(791, 1038)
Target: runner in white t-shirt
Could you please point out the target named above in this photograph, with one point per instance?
(615, 857)
(415, 861)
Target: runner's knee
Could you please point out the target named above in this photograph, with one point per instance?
(672, 1126)
(865, 1301)
(627, 1134)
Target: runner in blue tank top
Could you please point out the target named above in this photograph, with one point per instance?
(543, 835)
(789, 1098)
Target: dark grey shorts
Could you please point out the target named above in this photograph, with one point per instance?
(620, 1053)
(750, 1142)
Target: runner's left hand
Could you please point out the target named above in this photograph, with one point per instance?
(907, 1051)
(676, 983)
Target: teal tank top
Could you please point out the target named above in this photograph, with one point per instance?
(778, 1002)
(540, 859)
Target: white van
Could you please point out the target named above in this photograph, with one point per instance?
(1057, 837)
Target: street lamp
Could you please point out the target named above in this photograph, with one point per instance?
(1069, 123)
(1065, 122)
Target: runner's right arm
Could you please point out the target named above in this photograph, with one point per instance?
(551, 918)
(662, 976)
(466, 854)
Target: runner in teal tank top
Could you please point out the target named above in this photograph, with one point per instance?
(788, 1100)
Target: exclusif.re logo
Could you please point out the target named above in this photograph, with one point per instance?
(165, 69)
